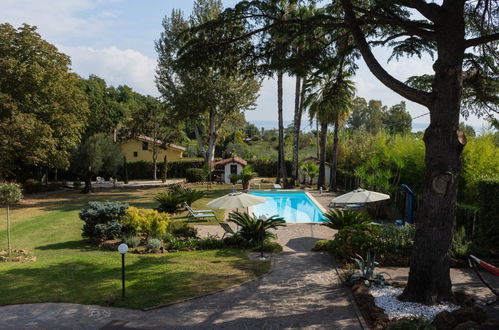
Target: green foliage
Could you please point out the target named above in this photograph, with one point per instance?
(188, 195)
(10, 193)
(310, 170)
(366, 273)
(480, 162)
(101, 219)
(269, 247)
(32, 186)
(397, 241)
(210, 243)
(169, 201)
(488, 226)
(339, 219)
(397, 120)
(42, 110)
(175, 243)
(247, 174)
(175, 169)
(357, 239)
(77, 183)
(153, 244)
(182, 229)
(148, 222)
(131, 240)
(97, 155)
(460, 244)
(267, 167)
(413, 323)
(323, 245)
(196, 175)
(250, 226)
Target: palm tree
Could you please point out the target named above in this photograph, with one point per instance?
(329, 99)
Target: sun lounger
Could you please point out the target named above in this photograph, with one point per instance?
(188, 208)
(227, 229)
(277, 186)
(202, 215)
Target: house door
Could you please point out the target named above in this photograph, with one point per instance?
(233, 169)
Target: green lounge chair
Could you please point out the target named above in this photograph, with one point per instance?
(227, 229)
(188, 208)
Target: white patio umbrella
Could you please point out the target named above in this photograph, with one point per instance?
(360, 196)
(236, 200)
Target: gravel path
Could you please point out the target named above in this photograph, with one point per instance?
(300, 292)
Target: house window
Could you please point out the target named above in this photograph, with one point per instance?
(233, 169)
(135, 154)
(145, 145)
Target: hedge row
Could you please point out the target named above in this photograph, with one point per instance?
(267, 167)
(488, 225)
(176, 168)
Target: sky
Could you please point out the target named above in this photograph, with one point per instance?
(114, 39)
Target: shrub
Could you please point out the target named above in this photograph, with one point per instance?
(105, 214)
(32, 186)
(250, 226)
(210, 243)
(412, 323)
(365, 273)
(339, 219)
(268, 168)
(182, 229)
(357, 239)
(175, 243)
(322, 245)
(132, 240)
(148, 222)
(153, 244)
(77, 183)
(488, 226)
(269, 247)
(396, 238)
(460, 244)
(195, 175)
(169, 201)
(188, 195)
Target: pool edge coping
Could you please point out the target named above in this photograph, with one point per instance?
(319, 205)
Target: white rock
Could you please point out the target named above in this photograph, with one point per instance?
(386, 297)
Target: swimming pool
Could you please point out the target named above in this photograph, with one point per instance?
(292, 206)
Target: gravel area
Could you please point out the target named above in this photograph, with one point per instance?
(386, 297)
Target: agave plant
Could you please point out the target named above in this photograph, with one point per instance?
(339, 219)
(250, 226)
(366, 270)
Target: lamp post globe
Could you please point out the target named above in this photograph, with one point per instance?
(123, 248)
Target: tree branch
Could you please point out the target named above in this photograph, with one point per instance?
(481, 40)
(428, 10)
(423, 98)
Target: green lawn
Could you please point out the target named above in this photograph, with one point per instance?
(69, 269)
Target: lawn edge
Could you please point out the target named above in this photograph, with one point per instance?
(271, 269)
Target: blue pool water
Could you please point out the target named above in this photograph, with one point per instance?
(292, 206)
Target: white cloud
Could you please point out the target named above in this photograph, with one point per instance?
(116, 66)
(57, 19)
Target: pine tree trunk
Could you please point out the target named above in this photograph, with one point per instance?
(429, 279)
(282, 164)
(333, 185)
(8, 229)
(125, 169)
(322, 155)
(165, 169)
(88, 185)
(213, 135)
(296, 135)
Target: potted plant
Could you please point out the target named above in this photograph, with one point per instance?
(246, 175)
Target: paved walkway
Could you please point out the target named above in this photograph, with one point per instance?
(301, 292)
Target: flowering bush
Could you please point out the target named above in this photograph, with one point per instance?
(148, 222)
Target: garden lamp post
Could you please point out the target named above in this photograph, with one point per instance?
(262, 236)
(123, 249)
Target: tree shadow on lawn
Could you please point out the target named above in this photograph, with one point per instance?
(150, 281)
(79, 245)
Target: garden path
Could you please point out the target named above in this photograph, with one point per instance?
(301, 291)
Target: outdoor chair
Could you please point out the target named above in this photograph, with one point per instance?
(476, 263)
(277, 186)
(193, 215)
(227, 229)
(188, 208)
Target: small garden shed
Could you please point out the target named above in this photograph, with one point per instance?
(223, 169)
(327, 165)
